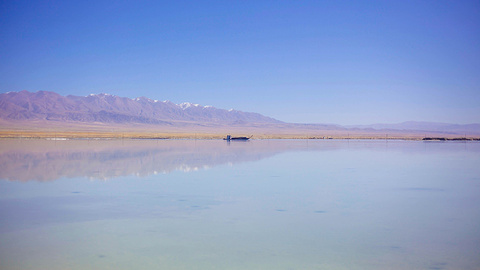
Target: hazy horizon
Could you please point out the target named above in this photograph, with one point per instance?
(342, 62)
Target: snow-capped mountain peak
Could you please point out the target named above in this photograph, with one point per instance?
(186, 105)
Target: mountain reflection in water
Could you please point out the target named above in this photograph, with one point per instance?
(47, 160)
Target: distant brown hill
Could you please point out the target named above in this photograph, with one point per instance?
(105, 108)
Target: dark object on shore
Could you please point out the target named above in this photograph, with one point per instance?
(449, 139)
(434, 139)
(230, 138)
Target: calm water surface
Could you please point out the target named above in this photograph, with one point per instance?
(185, 204)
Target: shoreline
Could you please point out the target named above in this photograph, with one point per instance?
(74, 130)
(67, 135)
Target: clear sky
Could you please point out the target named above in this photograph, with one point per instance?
(344, 62)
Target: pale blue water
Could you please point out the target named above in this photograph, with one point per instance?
(273, 204)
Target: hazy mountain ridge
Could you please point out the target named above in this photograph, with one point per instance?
(107, 108)
(423, 126)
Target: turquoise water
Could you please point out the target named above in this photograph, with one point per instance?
(266, 204)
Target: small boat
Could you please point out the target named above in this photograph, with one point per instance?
(230, 138)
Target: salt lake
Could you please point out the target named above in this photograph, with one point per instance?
(260, 204)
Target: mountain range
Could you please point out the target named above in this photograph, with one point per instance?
(50, 108)
(106, 108)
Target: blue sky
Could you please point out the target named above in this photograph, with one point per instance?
(344, 62)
